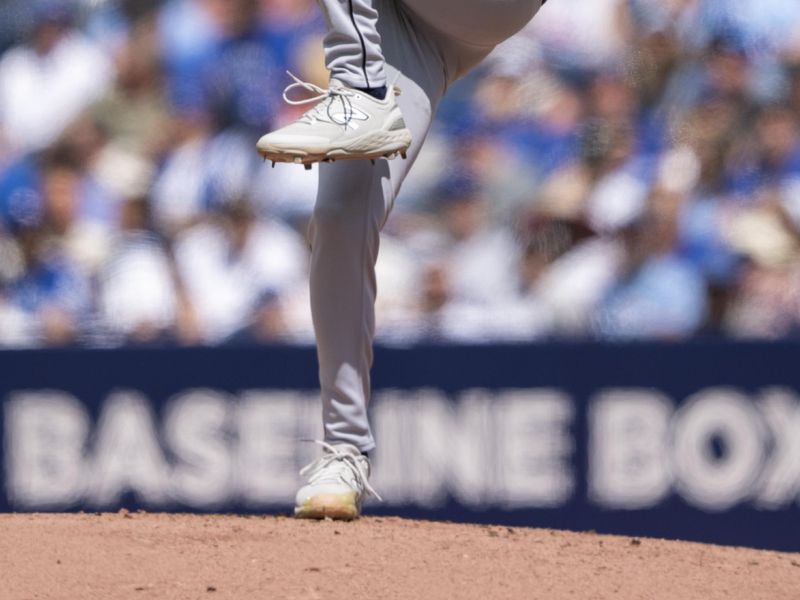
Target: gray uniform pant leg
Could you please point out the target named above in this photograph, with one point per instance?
(353, 52)
(353, 203)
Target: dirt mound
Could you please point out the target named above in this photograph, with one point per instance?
(140, 555)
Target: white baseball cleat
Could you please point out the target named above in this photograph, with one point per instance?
(345, 123)
(337, 483)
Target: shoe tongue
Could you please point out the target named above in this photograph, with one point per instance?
(348, 449)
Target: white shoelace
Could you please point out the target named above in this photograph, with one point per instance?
(320, 96)
(332, 465)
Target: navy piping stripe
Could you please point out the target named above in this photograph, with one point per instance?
(363, 45)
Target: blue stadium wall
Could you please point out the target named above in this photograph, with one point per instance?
(698, 441)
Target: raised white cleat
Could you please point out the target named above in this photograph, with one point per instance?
(345, 123)
(337, 484)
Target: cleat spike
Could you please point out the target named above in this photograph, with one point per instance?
(307, 166)
(273, 164)
(403, 155)
(372, 160)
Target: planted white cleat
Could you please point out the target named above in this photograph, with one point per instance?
(344, 124)
(337, 484)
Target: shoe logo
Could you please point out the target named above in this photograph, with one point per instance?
(348, 118)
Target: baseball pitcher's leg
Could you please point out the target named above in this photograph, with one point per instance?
(355, 198)
(353, 203)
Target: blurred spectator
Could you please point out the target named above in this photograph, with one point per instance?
(230, 261)
(46, 81)
(67, 216)
(479, 255)
(226, 73)
(766, 303)
(199, 173)
(52, 296)
(138, 295)
(134, 113)
(658, 295)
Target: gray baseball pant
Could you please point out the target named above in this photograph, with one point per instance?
(427, 44)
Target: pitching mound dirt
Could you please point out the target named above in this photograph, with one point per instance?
(140, 556)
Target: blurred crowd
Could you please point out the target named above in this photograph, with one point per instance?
(621, 169)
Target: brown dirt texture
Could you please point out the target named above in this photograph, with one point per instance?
(141, 556)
